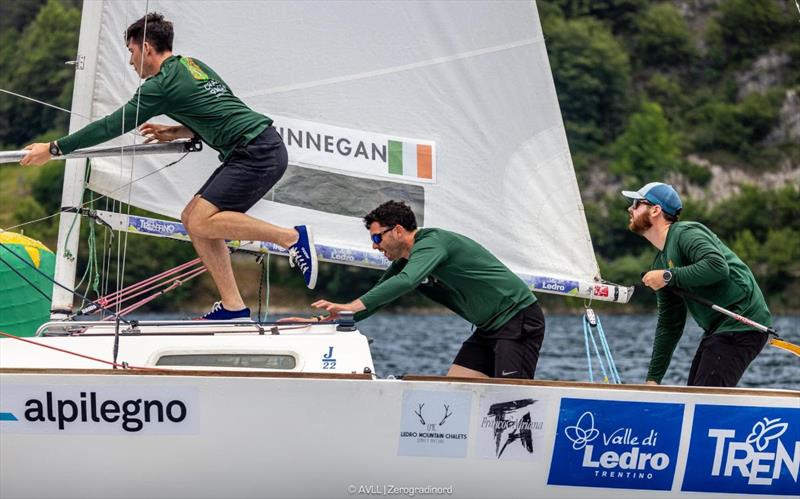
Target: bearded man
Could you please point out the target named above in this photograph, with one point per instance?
(692, 258)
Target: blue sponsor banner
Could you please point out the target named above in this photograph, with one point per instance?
(154, 226)
(556, 285)
(625, 445)
(745, 450)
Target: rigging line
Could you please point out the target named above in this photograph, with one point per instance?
(395, 69)
(31, 265)
(121, 278)
(31, 284)
(25, 97)
(8, 229)
(124, 364)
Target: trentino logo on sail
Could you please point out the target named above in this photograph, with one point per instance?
(357, 151)
(750, 450)
(626, 445)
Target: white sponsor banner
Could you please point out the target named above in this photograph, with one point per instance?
(366, 154)
(93, 409)
(434, 424)
(510, 426)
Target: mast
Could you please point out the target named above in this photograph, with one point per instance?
(75, 169)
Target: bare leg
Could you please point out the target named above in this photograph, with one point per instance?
(217, 259)
(214, 254)
(208, 222)
(464, 372)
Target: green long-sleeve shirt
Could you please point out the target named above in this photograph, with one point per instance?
(705, 266)
(189, 92)
(456, 272)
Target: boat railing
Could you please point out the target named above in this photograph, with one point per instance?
(191, 327)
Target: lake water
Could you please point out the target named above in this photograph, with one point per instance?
(427, 344)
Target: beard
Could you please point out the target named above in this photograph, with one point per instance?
(640, 223)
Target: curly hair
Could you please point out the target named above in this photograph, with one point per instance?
(155, 29)
(392, 213)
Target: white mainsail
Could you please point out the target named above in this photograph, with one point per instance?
(447, 105)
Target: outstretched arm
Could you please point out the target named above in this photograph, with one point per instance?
(154, 132)
(335, 308)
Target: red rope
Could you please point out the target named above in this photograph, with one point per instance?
(171, 284)
(114, 364)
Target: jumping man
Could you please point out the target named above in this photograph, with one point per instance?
(252, 153)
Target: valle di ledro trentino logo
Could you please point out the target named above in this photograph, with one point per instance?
(434, 423)
(510, 429)
(97, 410)
(749, 450)
(628, 445)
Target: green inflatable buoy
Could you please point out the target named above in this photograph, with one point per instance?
(22, 308)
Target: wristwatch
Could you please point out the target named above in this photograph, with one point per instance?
(667, 276)
(54, 149)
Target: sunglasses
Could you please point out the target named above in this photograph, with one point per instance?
(377, 238)
(637, 202)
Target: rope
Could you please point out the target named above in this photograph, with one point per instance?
(115, 365)
(591, 322)
(2, 245)
(31, 284)
(13, 227)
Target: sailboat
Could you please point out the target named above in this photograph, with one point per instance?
(449, 106)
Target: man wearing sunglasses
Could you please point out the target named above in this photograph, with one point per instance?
(692, 258)
(462, 275)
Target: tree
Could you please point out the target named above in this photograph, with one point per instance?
(745, 28)
(648, 149)
(619, 14)
(592, 77)
(37, 70)
(663, 37)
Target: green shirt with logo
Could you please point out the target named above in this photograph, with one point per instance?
(704, 266)
(189, 92)
(456, 272)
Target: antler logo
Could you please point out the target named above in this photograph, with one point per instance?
(432, 426)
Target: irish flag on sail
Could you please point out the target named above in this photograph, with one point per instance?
(410, 159)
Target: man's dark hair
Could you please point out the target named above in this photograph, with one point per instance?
(671, 218)
(156, 30)
(392, 213)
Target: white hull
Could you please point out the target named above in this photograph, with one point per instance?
(316, 435)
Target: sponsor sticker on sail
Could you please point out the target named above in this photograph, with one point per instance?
(359, 152)
(434, 423)
(744, 450)
(626, 445)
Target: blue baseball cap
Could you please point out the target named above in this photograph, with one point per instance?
(664, 195)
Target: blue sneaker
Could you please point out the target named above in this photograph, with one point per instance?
(303, 253)
(220, 313)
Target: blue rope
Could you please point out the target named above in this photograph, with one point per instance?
(612, 366)
(609, 359)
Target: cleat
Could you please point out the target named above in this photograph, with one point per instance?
(303, 254)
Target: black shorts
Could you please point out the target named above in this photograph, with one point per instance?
(509, 352)
(722, 358)
(249, 172)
